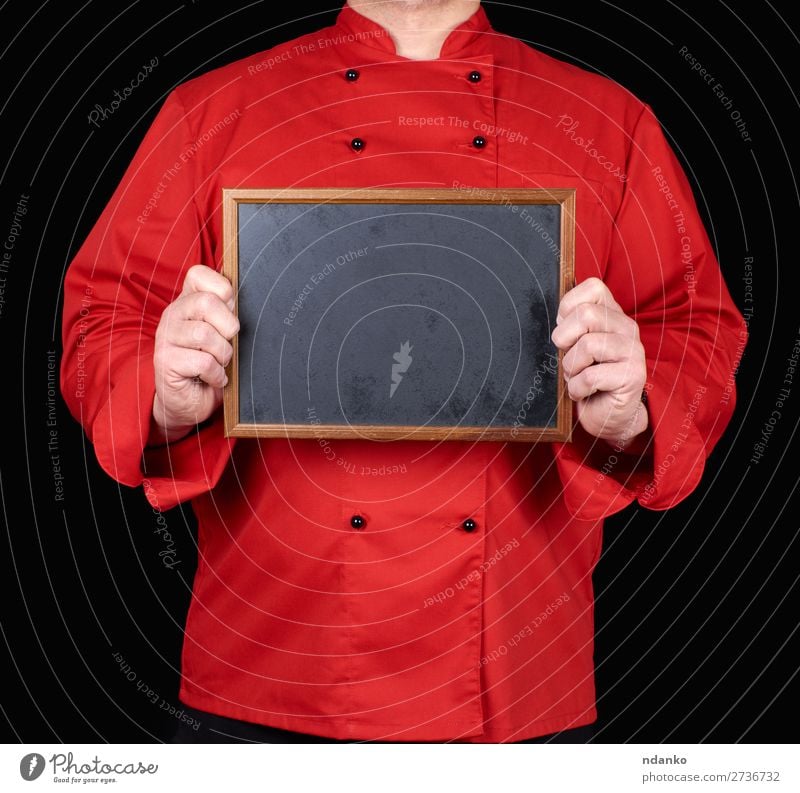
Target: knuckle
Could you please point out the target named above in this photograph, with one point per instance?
(204, 301)
(573, 355)
(201, 333)
(596, 285)
(226, 288)
(587, 313)
(231, 324)
(624, 343)
(585, 345)
(194, 273)
(204, 363)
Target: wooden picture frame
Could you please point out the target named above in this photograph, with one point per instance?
(448, 203)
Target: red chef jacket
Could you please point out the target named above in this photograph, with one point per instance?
(410, 627)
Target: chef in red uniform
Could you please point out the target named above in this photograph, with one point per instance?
(403, 591)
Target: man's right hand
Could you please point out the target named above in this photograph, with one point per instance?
(192, 349)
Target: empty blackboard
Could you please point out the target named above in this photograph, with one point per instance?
(386, 314)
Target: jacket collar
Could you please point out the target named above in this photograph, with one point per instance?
(461, 41)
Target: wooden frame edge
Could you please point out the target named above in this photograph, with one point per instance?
(230, 269)
(386, 432)
(232, 197)
(564, 416)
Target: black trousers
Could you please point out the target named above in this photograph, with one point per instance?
(220, 729)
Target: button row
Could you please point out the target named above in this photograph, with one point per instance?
(358, 144)
(351, 75)
(358, 522)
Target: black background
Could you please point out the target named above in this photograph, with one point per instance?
(696, 610)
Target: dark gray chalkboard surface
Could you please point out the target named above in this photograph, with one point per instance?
(385, 314)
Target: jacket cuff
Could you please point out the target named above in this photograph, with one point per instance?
(172, 473)
(679, 451)
(599, 480)
(121, 426)
(187, 468)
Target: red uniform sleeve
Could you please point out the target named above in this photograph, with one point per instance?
(662, 270)
(130, 267)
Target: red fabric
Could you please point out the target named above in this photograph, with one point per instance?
(410, 628)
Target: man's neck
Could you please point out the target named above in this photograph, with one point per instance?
(418, 28)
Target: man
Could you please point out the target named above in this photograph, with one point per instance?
(452, 599)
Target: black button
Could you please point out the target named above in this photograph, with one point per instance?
(479, 141)
(357, 522)
(474, 77)
(357, 144)
(469, 525)
(351, 75)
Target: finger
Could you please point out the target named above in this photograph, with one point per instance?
(206, 307)
(200, 278)
(195, 363)
(604, 377)
(598, 348)
(592, 290)
(592, 318)
(202, 336)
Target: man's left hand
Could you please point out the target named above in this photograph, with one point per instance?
(604, 363)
